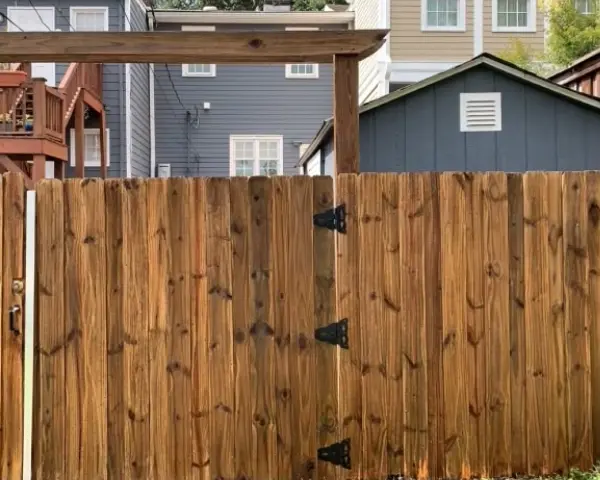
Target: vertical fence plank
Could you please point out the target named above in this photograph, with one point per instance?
(518, 364)
(348, 306)
(375, 335)
(86, 360)
(537, 317)
(200, 370)
(394, 241)
(325, 313)
(497, 315)
(49, 404)
(593, 212)
(434, 324)
(576, 265)
(454, 290)
(159, 256)
(280, 288)
(414, 363)
(302, 329)
(11, 342)
(222, 421)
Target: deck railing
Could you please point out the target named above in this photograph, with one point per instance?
(80, 75)
(14, 118)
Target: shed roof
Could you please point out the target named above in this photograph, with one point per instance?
(485, 59)
(591, 60)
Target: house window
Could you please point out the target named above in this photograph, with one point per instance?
(89, 19)
(442, 15)
(198, 69)
(256, 155)
(585, 7)
(514, 15)
(91, 149)
(302, 70)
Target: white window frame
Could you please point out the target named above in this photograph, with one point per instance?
(87, 163)
(288, 67)
(74, 10)
(460, 27)
(531, 26)
(589, 3)
(185, 71)
(256, 139)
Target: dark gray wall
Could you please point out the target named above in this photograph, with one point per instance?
(244, 100)
(421, 132)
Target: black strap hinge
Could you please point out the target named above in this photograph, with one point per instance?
(336, 454)
(332, 219)
(335, 333)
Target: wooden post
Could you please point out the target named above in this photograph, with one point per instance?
(103, 168)
(59, 169)
(345, 114)
(79, 138)
(39, 107)
(38, 172)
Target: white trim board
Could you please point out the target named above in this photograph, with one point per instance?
(412, 72)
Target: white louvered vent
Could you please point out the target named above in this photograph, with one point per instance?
(480, 112)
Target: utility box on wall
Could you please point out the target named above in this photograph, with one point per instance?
(164, 170)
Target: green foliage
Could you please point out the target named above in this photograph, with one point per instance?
(247, 5)
(524, 57)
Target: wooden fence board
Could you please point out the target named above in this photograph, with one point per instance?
(49, 407)
(85, 290)
(222, 381)
(11, 419)
(576, 266)
(518, 438)
(497, 321)
(348, 306)
(454, 290)
(325, 314)
(374, 342)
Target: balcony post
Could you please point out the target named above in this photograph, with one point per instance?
(79, 137)
(39, 106)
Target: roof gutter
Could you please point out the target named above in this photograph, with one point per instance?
(317, 141)
(253, 18)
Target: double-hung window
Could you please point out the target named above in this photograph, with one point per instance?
(89, 19)
(514, 15)
(443, 15)
(91, 147)
(198, 69)
(585, 7)
(302, 70)
(256, 155)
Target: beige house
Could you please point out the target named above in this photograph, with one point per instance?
(430, 36)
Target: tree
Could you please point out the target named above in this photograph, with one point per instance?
(524, 57)
(247, 5)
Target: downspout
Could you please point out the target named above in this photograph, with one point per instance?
(128, 111)
(152, 111)
(122, 115)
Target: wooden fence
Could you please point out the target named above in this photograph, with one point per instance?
(176, 327)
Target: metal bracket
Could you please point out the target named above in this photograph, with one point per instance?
(332, 219)
(12, 319)
(335, 333)
(336, 454)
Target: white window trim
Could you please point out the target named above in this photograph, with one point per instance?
(531, 19)
(74, 10)
(185, 71)
(461, 27)
(234, 138)
(288, 66)
(90, 130)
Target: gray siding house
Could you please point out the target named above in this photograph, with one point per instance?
(483, 115)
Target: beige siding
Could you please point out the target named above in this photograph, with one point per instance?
(366, 17)
(409, 43)
(494, 42)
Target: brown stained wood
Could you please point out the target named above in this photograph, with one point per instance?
(348, 306)
(537, 318)
(518, 364)
(79, 137)
(159, 258)
(413, 341)
(394, 312)
(495, 248)
(476, 328)
(2, 333)
(557, 382)
(576, 278)
(279, 319)
(327, 417)
(86, 354)
(11, 359)
(454, 291)
(593, 239)
(434, 324)
(10, 166)
(49, 406)
(300, 311)
(243, 320)
(200, 397)
(182, 47)
(345, 114)
(222, 381)
(374, 339)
